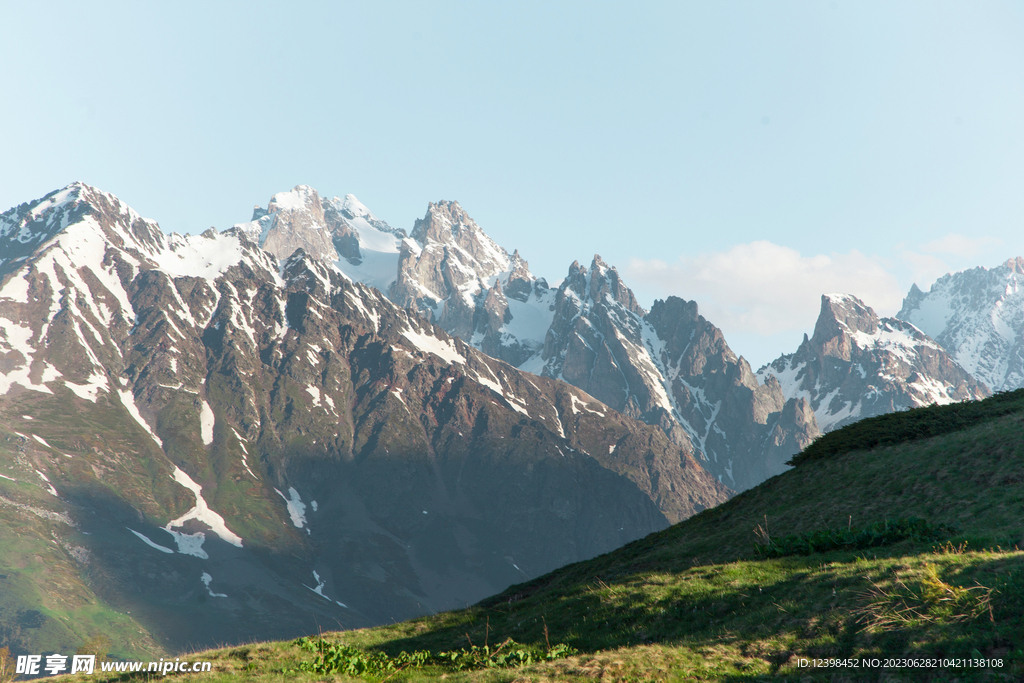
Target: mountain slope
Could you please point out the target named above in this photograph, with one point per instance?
(977, 315)
(700, 601)
(225, 447)
(857, 365)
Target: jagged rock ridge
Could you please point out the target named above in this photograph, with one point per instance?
(977, 315)
(857, 365)
(591, 332)
(671, 368)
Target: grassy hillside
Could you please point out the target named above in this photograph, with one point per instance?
(924, 562)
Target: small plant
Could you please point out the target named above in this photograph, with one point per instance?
(948, 548)
(345, 659)
(762, 537)
(931, 600)
(6, 665)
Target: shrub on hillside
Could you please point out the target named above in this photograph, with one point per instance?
(910, 425)
(853, 538)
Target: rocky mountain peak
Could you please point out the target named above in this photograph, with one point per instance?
(79, 216)
(24, 228)
(576, 280)
(744, 429)
(299, 198)
(841, 316)
(292, 220)
(599, 284)
(450, 263)
(519, 283)
(978, 316)
(912, 299)
(858, 365)
(849, 311)
(447, 224)
(678, 323)
(1015, 265)
(444, 222)
(353, 208)
(605, 282)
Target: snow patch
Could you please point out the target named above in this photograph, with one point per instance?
(15, 338)
(49, 486)
(198, 256)
(128, 401)
(319, 590)
(206, 421)
(202, 512)
(531, 319)
(90, 390)
(245, 452)
(296, 508)
(516, 406)
(15, 290)
(150, 543)
(189, 544)
(444, 349)
(207, 580)
(581, 404)
(489, 383)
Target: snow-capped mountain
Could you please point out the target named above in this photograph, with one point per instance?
(858, 365)
(671, 368)
(588, 331)
(210, 443)
(977, 315)
(339, 231)
(452, 272)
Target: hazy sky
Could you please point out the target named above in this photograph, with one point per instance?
(747, 155)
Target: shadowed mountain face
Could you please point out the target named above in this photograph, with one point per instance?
(202, 443)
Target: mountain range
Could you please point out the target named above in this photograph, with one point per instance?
(315, 417)
(669, 367)
(201, 441)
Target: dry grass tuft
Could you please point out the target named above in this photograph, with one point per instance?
(929, 600)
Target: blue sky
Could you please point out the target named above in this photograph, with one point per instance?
(747, 155)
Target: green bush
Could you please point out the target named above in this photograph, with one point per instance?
(910, 425)
(854, 538)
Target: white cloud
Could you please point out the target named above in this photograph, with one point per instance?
(765, 289)
(923, 269)
(960, 245)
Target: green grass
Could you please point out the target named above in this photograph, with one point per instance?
(45, 605)
(701, 601)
